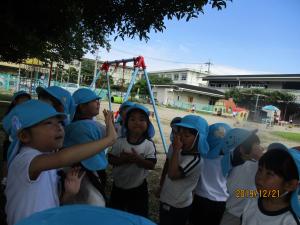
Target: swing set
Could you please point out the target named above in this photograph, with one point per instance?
(138, 63)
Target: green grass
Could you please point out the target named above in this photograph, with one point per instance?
(287, 135)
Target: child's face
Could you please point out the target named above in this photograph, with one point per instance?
(91, 108)
(187, 138)
(268, 181)
(46, 136)
(137, 122)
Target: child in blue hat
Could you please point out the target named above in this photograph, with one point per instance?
(60, 99)
(84, 129)
(242, 150)
(210, 194)
(132, 157)
(121, 118)
(32, 181)
(277, 188)
(183, 171)
(18, 98)
(174, 130)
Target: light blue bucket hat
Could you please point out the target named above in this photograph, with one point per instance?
(84, 131)
(215, 137)
(201, 126)
(125, 104)
(295, 204)
(84, 95)
(83, 215)
(64, 97)
(231, 141)
(122, 106)
(23, 116)
(150, 131)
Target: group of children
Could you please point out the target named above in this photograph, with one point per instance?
(57, 154)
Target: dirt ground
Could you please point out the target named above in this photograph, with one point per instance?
(167, 114)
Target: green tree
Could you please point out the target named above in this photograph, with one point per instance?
(249, 97)
(102, 81)
(62, 30)
(87, 71)
(141, 85)
(72, 75)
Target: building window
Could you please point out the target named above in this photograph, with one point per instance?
(176, 76)
(183, 76)
(190, 99)
(178, 97)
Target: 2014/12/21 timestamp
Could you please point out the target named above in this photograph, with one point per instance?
(248, 193)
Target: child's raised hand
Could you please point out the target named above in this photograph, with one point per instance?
(73, 180)
(110, 128)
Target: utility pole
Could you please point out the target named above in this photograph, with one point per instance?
(208, 66)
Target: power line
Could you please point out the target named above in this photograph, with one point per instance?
(158, 59)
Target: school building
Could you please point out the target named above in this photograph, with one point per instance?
(186, 96)
(182, 76)
(283, 82)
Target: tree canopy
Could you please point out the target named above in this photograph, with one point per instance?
(249, 97)
(63, 30)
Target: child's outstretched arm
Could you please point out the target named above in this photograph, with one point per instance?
(74, 154)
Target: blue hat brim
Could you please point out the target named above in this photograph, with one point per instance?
(82, 215)
(295, 204)
(97, 162)
(186, 125)
(226, 164)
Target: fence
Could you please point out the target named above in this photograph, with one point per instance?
(188, 106)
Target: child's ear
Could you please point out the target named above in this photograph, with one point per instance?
(24, 136)
(291, 185)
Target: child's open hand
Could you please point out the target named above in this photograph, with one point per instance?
(110, 128)
(73, 180)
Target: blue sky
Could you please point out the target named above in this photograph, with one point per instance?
(248, 37)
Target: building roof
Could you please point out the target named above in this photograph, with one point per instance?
(194, 89)
(254, 77)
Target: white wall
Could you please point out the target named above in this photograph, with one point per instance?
(167, 96)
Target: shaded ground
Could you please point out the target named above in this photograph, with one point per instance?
(167, 114)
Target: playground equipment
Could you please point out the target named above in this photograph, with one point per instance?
(138, 63)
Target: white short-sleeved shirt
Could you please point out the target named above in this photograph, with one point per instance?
(241, 177)
(212, 183)
(25, 196)
(178, 193)
(254, 214)
(128, 176)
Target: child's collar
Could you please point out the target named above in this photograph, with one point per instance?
(139, 141)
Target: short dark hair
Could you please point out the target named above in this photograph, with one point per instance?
(175, 120)
(248, 143)
(281, 163)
